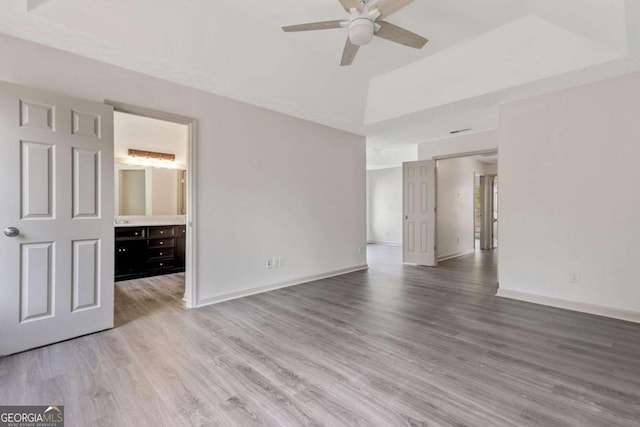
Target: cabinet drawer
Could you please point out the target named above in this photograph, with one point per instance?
(160, 265)
(129, 232)
(156, 232)
(161, 243)
(133, 247)
(161, 253)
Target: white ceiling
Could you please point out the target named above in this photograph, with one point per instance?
(481, 53)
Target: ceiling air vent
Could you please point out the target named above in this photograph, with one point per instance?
(459, 131)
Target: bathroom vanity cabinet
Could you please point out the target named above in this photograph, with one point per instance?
(144, 251)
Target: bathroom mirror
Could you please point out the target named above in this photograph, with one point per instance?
(147, 191)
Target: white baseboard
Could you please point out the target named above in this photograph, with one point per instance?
(598, 310)
(241, 294)
(376, 242)
(458, 255)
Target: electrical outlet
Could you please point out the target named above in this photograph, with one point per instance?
(276, 262)
(281, 261)
(269, 264)
(575, 278)
(458, 240)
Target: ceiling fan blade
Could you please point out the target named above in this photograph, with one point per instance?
(349, 53)
(389, 7)
(400, 35)
(324, 25)
(351, 4)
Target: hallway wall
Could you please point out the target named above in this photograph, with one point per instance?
(384, 206)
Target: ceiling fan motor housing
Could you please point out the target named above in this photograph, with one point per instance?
(361, 31)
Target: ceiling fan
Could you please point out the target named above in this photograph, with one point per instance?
(365, 21)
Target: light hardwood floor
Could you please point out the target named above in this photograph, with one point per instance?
(395, 345)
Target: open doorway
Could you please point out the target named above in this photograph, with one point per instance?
(486, 211)
(465, 203)
(465, 187)
(154, 203)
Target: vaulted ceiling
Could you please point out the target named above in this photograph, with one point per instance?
(480, 54)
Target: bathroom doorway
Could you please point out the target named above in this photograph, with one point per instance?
(154, 217)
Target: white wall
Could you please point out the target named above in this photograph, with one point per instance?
(389, 156)
(570, 194)
(144, 133)
(455, 225)
(269, 184)
(385, 206)
(491, 168)
(464, 143)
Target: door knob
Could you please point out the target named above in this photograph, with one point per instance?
(11, 232)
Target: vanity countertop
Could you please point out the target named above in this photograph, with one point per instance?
(149, 224)
(141, 221)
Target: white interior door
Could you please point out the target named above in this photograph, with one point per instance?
(494, 212)
(56, 187)
(486, 202)
(419, 200)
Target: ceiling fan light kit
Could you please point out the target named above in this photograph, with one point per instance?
(364, 23)
(361, 31)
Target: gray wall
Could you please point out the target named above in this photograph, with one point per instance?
(269, 184)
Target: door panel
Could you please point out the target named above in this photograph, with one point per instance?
(36, 115)
(86, 277)
(86, 183)
(36, 281)
(419, 188)
(36, 190)
(56, 184)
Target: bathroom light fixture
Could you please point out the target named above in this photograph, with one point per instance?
(152, 159)
(152, 155)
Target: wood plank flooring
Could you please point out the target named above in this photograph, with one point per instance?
(395, 345)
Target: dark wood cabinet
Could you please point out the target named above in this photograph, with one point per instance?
(149, 251)
(181, 246)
